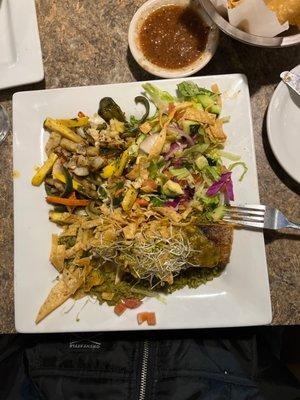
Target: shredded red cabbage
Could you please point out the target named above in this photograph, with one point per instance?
(184, 135)
(177, 162)
(224, 184)
(187, 138)
(172, 203)
(186, 197)
(188, 194)
(173, 148)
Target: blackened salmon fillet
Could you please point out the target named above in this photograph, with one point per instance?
(222, 236)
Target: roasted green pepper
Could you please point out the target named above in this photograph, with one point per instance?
(109, 109)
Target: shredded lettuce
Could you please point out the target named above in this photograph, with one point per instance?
(205, 98)
(229, 156)
(196, 149)
(159, 97)
(209, 202)
(214, 172)
(155, 166)
(180, 173)
(241, 163)
(217, 214)
(191, 89)
(156, 201)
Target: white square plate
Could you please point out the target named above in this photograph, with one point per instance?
(239, 297)
(21, 57)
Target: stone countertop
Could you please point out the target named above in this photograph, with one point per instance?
(85, 43)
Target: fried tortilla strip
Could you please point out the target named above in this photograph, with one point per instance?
(169, 213)
(58, 254)
(70, 230)
(216, 132)
(83, 262)
(92, 224)
(76, 250)
(159, 143)
(68, 284)
(93, 279)
(129, 231)
(79, 294)
(201, 116)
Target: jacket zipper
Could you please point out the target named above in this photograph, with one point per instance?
(144, 371)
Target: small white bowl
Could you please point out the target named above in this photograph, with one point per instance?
(137, 22)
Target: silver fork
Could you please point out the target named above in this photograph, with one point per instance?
(257, 216)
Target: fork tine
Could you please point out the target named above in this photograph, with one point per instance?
(255, 207)
(241, 212)
(245, 217)
(244, 223)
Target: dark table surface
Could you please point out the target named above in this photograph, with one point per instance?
(85, 43)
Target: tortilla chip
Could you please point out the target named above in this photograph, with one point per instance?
(130, 231)
(70, 281)
(117, 215)
(216, 132)
(76, 250)
(70, 230)
(58, 253)
(159, 143)
(79, 294)
(109, 236)
(92, 224)
(93, 279)
(286, 10)
(168, 212)
(83, 262)
(134, 172)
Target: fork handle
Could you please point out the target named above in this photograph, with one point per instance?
(293, 225)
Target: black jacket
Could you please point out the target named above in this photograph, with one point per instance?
(196, 365)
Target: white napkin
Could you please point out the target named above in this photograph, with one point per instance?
(253, 16)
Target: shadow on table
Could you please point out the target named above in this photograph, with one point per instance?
(138, 73)
(279, 171)
(261, 65)
(271, 236)
(6, 94)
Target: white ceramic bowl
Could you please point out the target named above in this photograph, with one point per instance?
(135, 26)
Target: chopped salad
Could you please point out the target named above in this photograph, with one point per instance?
(140, 200)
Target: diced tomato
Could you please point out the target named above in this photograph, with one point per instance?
(151, 320)
(120, 308)
(81, 114)
(132, 303)
(146, 316)
(142, 202)
(142, 317)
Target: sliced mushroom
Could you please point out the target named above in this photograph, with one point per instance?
(92, 151)
(68, 145)
(53, 142)
(81, 171)
(82, 161)
(96, 163)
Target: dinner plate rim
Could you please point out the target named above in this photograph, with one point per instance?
(28, 67)
(281, 87)
(264, 318)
